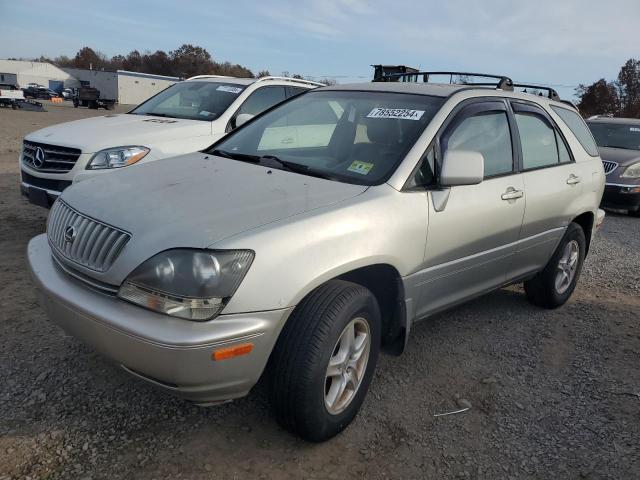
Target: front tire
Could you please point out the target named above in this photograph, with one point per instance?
(324, 360)
(553, 286)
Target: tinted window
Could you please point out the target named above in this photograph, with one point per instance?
(616, 135)
(577, 126)
(192, 100)
(262, 99)
(565, 157)
(487, 133)
(356, 137)
(538, 139)
(293, 91)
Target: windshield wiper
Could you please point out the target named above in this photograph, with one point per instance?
(272, 161)
(293, 167)
(165, 115)
(235, 156)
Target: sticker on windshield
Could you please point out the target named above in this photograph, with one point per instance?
(363, 168)
(402, 113)
(227, 88)
(634, 129)
(205, 113)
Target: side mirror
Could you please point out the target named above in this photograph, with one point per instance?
(242, 119)
(462, 167)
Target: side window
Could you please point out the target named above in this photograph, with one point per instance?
(262, 99)
(565, 157)
(424, 176)
(538, 139)
(293, 91)
(487, 133)
(579, 128)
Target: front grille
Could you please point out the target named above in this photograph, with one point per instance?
(609, 166)
(46, 183)
(49, 158)
(83, 240)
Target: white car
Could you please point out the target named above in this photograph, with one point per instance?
(186, 117)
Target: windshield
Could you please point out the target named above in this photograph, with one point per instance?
(616, 135)
(350, 136)
(192, 100)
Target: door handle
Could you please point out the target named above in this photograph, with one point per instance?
(512, 194)
(573, 179)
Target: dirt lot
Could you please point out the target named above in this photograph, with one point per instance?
(554, 394)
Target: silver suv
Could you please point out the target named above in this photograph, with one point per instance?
(316, 235)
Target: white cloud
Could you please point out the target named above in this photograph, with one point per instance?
(324, 19)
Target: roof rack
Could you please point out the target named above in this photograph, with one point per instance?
(293, 80)
(551, 93)
(504, 82)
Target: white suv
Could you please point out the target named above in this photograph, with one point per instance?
(186, 117)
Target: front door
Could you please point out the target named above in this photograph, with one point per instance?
(472, 239)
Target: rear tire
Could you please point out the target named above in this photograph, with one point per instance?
(553, 286)
(324, 360)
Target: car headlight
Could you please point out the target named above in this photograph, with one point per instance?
(117, 157)
(191, 284)
(632, 171)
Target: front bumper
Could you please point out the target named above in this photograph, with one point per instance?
(621, 196)
(171, 353)
(43, 188)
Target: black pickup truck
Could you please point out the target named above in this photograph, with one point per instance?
(90, 97)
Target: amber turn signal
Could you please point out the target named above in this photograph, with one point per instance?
(231, 352)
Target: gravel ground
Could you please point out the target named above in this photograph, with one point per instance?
(553, 394)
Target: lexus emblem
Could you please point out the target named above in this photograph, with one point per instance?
(69, 234)
(38, 158)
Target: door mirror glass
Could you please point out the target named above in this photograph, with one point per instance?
(242, 119)
(462, 167)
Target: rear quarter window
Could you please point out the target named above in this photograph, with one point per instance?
(576, 124)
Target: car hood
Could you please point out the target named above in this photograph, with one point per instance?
(194, 201)
(619, 155)
(114, 130)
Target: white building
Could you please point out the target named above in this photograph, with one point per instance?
(130, 88)
(21, 73)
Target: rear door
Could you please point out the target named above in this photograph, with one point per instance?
(552, 181)
(472, 239)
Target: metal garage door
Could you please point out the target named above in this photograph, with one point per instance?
(56, 85)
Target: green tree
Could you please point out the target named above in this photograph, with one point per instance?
(133, 62)
(189, 60)
(629, 88)
(89, 58)
(599, 98)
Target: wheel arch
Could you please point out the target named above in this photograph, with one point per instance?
(586, 221)
(384, 281)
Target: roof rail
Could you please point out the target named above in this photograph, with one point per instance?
(209, 76)
(289, 79)
(504, 82)
(551, 93)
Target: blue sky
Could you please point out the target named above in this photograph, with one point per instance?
(561, 43)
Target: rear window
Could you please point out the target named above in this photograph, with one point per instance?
(576, 124)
